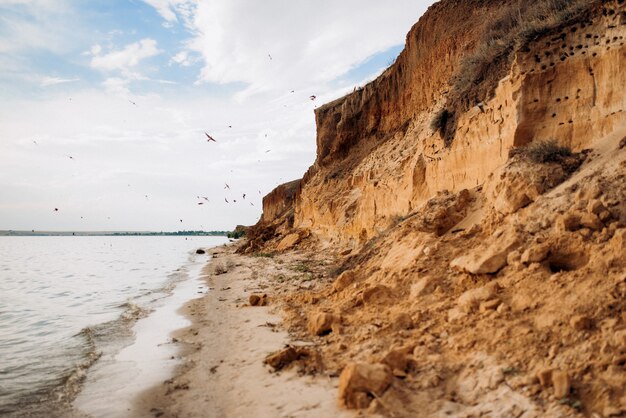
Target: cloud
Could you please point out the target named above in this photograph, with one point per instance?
(51, 81)
(123, 60)
(311, 42)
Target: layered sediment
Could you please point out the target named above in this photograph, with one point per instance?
(475, 233)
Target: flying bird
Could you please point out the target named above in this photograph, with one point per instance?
(133, 103)
(244, 196)
(70, 157)
(312, 97)
(227, 186)
(201, 203)
(226, 200)
(56, 209)
(35, 142)
(293, 91)
(181, 220)
(269, 56)
(205, 198)
(210, 138)
(251, 203)
(230, 126)
(267, 151)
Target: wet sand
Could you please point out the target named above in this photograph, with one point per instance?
(223, 374)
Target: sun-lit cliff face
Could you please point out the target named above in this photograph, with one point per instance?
(472, 201)
(378, 156)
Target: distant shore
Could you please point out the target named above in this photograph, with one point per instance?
(36, 233)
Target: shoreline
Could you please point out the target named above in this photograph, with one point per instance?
(222, 373)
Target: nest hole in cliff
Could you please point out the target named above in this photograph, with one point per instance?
(513, 28)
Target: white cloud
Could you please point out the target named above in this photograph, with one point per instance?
(125, 59)
(311, 42)
(51, 81)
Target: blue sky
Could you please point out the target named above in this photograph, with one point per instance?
(126, 88)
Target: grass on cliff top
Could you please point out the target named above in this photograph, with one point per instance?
(511, 28)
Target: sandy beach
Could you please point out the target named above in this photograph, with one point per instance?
(223, 374)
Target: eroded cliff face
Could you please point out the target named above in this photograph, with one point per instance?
(478, 272)
(378, 157)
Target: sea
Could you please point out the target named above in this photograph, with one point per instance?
(85, 321)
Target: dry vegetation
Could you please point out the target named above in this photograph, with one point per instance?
(512, 28)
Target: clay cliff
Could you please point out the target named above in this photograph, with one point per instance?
(471, 201)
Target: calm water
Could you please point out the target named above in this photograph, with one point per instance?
(67, 301)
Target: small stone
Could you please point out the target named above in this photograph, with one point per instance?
(344, 280)
(402, 321)
(397, 358)
(545, 377)
(562, 383)
(580, 322)
(568, 222)
(591, 221)
(489, 305)
(595, 206)
(604, 216)
(321, 323)
(282, 358)
(536, 253)
(257, 300)
(472, 298)
(360, 380)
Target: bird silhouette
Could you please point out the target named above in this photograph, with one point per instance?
(312, 97)
(135, 104)
(267, 151)
(56, 209)
(269, 56)
(201, 203)
(180, 220)
(70, 157)
(210, 138)
(252, 204)
(227, 186)
(244, 196)
(226, 200)
(205, 198)
(35, 142)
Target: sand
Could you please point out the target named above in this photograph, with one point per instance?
(223, 374)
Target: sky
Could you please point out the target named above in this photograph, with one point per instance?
(104, 104)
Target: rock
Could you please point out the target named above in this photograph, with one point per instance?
(562, 383)
(359, 382)
(257, 300)
(489, 260)
(200, 251)
(591, 221)
(568, 222)
(321, 323)
(596, 207)
(282, 358)
(402, 321)
(344, 280)
(398, 358)
(420, 287)
(489, 305)
(472, 298)
(580, 322)
(375, 294)
(288, 241)
(536, 254)
(545, 377)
